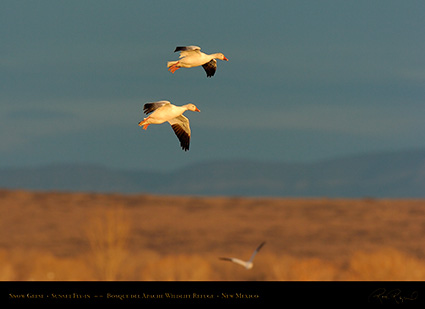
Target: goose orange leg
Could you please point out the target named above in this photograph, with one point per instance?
(145, 125)
(173, 68)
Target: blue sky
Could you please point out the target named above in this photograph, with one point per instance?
(306, 80)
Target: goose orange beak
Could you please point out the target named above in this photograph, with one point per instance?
(224, 58)
(197, 110)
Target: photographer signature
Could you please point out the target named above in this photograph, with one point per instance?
(394, 295)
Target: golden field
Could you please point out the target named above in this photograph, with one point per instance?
(87, 236)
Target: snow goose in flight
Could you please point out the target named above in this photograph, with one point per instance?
(191, 56)
(165, 111)
(247, 264)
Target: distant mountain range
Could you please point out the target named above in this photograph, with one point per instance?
(392, 175)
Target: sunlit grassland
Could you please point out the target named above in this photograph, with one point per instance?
(63, 236)
(385, 264)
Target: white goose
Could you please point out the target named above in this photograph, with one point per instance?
(191, 56)
(247, 264)
(165, 111)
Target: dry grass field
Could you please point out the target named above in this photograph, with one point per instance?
(86, 236)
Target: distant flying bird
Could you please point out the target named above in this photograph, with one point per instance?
(191, 56)
(165, 111)
(247, 264)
